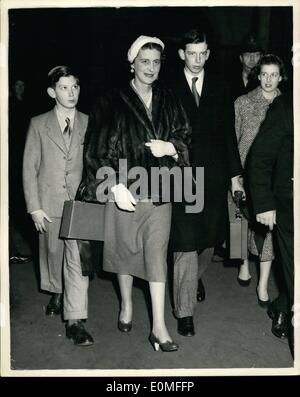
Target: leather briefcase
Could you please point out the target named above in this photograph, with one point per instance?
(238, 231)
(83, 221)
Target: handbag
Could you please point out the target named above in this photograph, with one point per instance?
(83, 221)
(238, 228)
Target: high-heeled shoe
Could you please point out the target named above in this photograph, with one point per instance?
(167, 346)
(261, 303)
(124, 327)
(244, 283)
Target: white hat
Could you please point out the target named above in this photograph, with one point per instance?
(138, 44)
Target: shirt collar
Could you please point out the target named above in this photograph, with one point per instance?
(199, 82)
(189, 75)
(61, 116)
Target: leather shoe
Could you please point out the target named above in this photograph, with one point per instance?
(200, 291)
(186, 326)
(124, 327)
(167, 346)
(263, 304)
(279, 323)
(244, 283)
(78, 334)
(55, 305)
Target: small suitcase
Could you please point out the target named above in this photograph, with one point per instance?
(238, 231)
(83, 221)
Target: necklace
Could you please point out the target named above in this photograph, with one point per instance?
(146, 97)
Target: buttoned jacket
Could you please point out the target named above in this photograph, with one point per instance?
(51, 171)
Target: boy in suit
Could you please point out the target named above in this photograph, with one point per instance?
(209, 108)
(52, 169)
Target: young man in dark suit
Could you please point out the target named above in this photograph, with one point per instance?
(270, 170)
(209, 108)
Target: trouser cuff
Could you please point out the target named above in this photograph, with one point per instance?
(75, 315)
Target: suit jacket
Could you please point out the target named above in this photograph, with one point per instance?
(214, 147)
(270, 161)
(51, 172)
(237, 87)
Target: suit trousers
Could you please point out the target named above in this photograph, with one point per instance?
(204, 260)
(60, 270)
(51, 249)
(188, 267)
(285, 237)
(76, 285)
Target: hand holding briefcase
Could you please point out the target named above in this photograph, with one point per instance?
(238, 224)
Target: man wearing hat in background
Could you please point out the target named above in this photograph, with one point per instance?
(250, 53)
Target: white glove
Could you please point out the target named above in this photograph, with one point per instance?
(38, 219)
(161, 148)
(237, 185)
(267, 218)
(123, 198)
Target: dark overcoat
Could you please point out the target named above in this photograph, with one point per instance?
(214, 147)
(273, 155)
(270, 167)
(237, 86)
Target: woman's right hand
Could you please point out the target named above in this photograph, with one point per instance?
(267, 218)
(161, 148)
(123, 198)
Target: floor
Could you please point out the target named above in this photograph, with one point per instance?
(232, 331)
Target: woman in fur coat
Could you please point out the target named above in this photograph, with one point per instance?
(143, 125)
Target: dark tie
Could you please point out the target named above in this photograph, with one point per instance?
(194, 90)
(67, 130)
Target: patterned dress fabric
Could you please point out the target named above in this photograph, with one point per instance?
(250, 112)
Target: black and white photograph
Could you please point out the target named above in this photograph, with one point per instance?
(149, 184)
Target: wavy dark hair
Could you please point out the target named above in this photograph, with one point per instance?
(270, 59)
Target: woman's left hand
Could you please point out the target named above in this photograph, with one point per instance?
(237, 185)
(161, 148)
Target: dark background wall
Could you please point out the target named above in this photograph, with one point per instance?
(95, 41)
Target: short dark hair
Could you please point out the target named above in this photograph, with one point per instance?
(60, 71)
(193, 36)
(271, 59)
